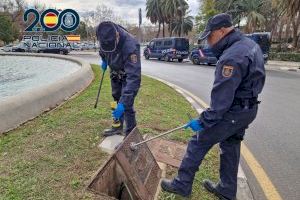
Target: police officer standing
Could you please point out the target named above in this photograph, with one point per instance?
(239, 79)
(121, 52)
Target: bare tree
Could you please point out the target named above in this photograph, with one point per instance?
(100, 14)
(281, 24)
(13, 7)
(296, 32)
(15, 10)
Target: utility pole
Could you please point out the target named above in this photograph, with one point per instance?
(181, 8)
(140, 38)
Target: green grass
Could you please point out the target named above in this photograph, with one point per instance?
(55, 155)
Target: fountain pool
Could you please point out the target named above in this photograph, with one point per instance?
(31, 84)
(21, 73)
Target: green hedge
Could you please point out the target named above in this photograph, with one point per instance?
(284, 56)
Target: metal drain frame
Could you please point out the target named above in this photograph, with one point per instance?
(137, 169)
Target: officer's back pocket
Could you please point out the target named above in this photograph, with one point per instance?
(242, 117)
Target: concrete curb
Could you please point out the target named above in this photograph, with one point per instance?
(244, 192)
(291, 69)
(283, 63)
(278, 68)
(283, 66)
(83, 53)
(16, 110)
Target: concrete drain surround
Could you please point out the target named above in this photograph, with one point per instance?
(30, 102)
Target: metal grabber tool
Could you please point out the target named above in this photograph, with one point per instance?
(99, 90)
(134, 146)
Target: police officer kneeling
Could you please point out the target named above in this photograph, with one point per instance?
(239, 78)
(121, 52)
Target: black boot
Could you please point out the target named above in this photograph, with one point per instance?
(211, 187)
(113, 131)
(167, 186)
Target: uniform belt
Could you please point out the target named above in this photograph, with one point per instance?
(247, 102)
(118, 74)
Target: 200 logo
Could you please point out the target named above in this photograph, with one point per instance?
(51, 20)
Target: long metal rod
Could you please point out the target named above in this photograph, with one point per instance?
(160, 135)
(100, 86)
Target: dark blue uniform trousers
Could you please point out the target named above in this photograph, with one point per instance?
(228, 132)
(129, 114)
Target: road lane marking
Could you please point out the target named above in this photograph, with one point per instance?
(191, 100)
(264, 181)
(261, 176)
(179, 91)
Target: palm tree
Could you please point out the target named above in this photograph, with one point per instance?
(170, 12)
(251, 10)
(293, 6)
(154, 13)
(181, 11)
(173, 9)
(182, 26)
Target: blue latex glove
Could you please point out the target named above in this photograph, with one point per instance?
(103, 65)
(118, 112)
(195, 125)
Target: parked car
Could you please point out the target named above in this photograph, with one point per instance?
(203, 54)
(167, 49)
(97, 46)
(91, 46)
(263, 40)
(62, 51)
(84, 46)
(21, 47)
(76, 47)
(8, 48)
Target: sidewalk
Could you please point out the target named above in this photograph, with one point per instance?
(84, 53)
(283, 65)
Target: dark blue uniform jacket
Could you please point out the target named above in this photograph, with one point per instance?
(240, 73)
(126, 59)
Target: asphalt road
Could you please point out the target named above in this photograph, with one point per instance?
(273, 138)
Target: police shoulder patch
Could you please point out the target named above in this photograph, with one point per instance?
(227, 71)
(133, 58)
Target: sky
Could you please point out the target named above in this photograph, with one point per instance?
(126, 9)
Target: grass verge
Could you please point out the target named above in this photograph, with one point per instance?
(55, 155)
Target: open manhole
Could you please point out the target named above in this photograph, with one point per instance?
(128, 175)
